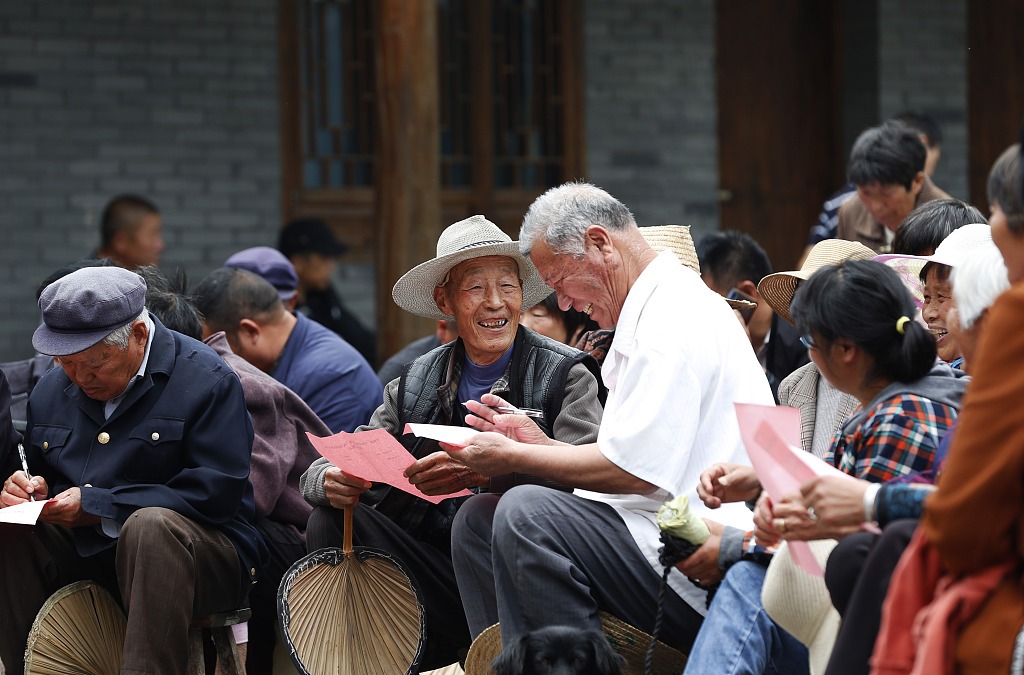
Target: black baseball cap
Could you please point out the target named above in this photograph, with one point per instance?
(309, 235)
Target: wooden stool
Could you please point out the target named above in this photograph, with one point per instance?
(227, 652)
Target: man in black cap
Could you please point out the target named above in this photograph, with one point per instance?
(314, 250)
(141, 442)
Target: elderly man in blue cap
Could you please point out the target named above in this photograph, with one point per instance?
(141, 442)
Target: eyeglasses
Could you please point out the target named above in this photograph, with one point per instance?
(807, 341)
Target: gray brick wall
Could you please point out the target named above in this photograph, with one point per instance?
(650, 108)
(923, 66)
(173, 99)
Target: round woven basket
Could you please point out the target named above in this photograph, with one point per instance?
(628, 641)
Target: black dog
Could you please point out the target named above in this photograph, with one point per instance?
(559, 650)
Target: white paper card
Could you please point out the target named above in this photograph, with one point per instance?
(440, 432)
(22, 514)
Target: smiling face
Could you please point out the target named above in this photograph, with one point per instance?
(890, 203)
(485, 295)
(938, 301)
(103, 371)
(582, 283)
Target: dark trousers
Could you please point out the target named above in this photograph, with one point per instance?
(540, 557)
(857, 576)
(430, 566)
(165, 568)
(286, 546)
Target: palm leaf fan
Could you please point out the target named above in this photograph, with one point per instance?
(79, 630)
(351, 611)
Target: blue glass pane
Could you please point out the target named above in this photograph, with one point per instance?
(312, 174)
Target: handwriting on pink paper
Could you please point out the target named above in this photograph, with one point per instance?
(374, 456)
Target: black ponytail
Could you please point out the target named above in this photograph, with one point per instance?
(866, 303)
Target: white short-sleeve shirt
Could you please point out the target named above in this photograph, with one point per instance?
(677, 364)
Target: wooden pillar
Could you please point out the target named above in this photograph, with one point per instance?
(408, 170)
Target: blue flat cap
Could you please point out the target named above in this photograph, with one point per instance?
(270, 264)
(86, 306)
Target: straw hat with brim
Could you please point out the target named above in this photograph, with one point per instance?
(801, 604)
(777, 289)
(626, 640)
(676, 238)
(953, 250)
(474, 237)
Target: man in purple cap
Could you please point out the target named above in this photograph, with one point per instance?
(141, 442)
(270, 264)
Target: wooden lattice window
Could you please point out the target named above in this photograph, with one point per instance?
(336, 93)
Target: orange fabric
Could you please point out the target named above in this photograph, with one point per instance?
(925, 610)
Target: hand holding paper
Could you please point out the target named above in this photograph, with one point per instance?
(375, 456)
(772, 438)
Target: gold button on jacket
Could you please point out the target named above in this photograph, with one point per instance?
(103, 438)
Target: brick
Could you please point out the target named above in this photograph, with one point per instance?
(121, 83)
(93, 168)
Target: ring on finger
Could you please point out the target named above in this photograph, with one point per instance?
(780, 524)
(811, 514)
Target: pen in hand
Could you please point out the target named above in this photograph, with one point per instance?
(24, 467)
(510, 410)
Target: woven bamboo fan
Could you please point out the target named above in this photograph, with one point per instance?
(351, 612)
(79, 630)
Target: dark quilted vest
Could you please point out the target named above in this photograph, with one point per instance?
(537, 374)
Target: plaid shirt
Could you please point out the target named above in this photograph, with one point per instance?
(898, 437)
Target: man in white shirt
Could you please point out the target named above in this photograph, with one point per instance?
(677, 364)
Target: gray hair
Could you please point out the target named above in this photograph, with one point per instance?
(562, 215)
(977, 281)
(119, 337)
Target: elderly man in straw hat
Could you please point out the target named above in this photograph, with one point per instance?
(480, 278)
(141, 442)
(677, 363)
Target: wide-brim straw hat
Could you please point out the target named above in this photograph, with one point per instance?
(626, 640)
(677, 238)
(952, 251)
(474, 237)
(777, 289)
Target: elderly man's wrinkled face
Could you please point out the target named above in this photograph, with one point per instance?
(485, 295)
(582, 283)
(103, 371)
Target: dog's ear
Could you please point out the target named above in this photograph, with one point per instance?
(512, 660)
(606, 660)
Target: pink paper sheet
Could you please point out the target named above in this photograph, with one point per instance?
(772, 437)
(375, 456)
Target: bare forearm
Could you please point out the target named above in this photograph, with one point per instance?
(580, 466)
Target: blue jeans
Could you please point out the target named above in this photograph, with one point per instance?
(738, 637)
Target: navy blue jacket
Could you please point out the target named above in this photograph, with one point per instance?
(328, 374)
(181, 440)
